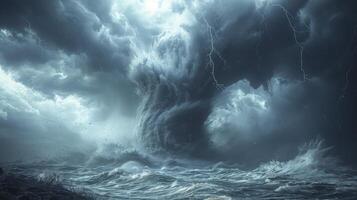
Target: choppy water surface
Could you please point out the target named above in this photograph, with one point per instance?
(308, 176)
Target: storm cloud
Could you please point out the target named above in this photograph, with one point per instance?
(250, 77)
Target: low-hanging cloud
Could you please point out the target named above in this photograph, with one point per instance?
(242, 73)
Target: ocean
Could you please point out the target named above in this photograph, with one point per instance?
(310, 175)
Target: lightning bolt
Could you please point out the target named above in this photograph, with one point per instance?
(213, 52)
(349, 69)
(289, 18)
(347, 81)
(263, 26)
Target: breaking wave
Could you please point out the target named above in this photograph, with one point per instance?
(311, 174)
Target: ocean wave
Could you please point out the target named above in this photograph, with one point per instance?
(313, 173)
(312, 160)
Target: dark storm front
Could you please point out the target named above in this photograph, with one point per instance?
(177, 99)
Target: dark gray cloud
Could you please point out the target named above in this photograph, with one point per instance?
(65, 48)
(101, 53)
(71, 38)
(261, 41)
(257, 41)
(69, 26)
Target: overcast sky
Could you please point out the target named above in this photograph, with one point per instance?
(234, 74)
